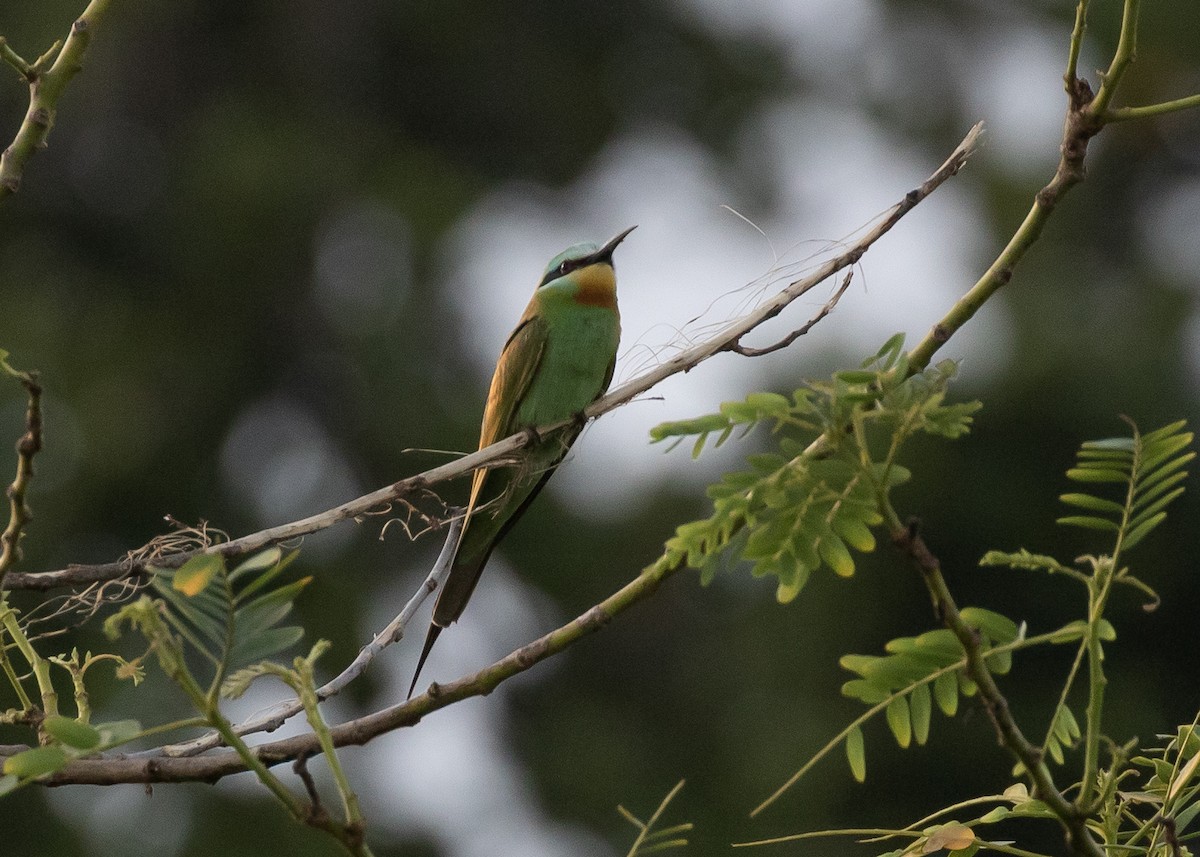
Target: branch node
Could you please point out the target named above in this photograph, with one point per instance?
(597, 617)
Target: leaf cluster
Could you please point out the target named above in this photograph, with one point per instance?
(231, 617)
(1148, 468)
(918, 671)
(814, 500)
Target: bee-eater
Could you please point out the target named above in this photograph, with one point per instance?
(557, 361)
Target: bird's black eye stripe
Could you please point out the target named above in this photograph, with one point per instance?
(567, 266)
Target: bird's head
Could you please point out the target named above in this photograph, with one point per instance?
(580, 256)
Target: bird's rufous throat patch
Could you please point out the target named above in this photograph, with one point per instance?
(597, 285)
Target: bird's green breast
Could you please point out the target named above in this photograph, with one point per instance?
(581, 344)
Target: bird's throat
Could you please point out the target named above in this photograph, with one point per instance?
(596, 285)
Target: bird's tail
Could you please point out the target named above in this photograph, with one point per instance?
(430, 639)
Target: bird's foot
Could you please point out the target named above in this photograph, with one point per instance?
(532, 436)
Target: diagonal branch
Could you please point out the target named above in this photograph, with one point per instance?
(140, 768)
(509, 448)
(1087, 115)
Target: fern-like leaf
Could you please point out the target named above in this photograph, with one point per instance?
(1148, 467)
(231, 617)
(905, 675)
(793, 512)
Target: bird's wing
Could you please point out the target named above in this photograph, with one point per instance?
(515, 370)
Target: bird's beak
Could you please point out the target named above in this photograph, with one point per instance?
(604, 254)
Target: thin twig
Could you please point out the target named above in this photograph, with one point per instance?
(46, 86)
(1087, 115)
(747, 351)
(28, 445)
(8, 55)
(1076, 45)
(300, 769)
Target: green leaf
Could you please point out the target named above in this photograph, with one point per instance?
(890, 350)
(945, 691)
(1147, 494)
(1155, 451)
(71, 732)
(855, 533)
(856, 376)
(1155, 507)
(769, 403)
(1096, 474)
(1089, 523)
(118, 731)
(264, 645)
(193, 576)
(899, 721)
(869, 693)
(1070, 632)
(1142, 530)
(941, 641)
(856, 754)
(1072, 725)
(1165, 471)
(1054, 750)
(999, 628)
(260, 582)
(1096, 504)
(36, 762)
(920, 702)
(258, 562)
(836, 556)
(999, 662)
(996, 815)
(1182, 819)
(766, 541)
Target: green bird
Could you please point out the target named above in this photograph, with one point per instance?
(557, 361)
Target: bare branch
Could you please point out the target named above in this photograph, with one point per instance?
(508, 449)
(210, 767)
(747, 351)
